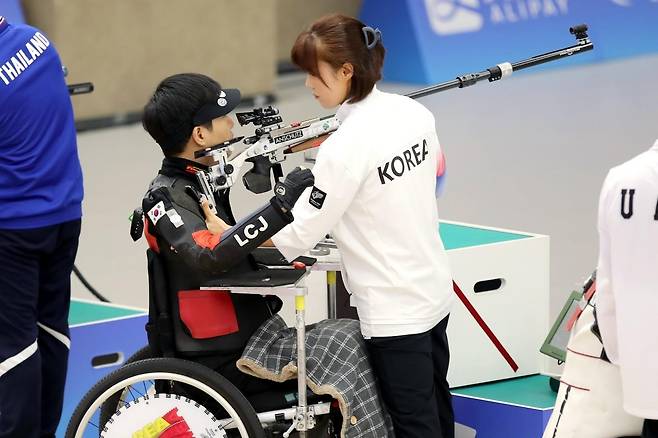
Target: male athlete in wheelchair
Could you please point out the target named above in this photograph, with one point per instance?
(195, 336)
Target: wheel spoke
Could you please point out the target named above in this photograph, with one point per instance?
(130, 389)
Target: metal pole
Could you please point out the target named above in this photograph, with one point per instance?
(300, 325)
(331, 287)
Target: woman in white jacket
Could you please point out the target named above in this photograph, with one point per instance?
(375, 181)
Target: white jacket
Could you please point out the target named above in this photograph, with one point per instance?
(374, 190)
(627, 278)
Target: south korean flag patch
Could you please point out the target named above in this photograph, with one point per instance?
(157, 212)
(317, 198)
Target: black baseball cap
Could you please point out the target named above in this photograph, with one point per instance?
(225, 102)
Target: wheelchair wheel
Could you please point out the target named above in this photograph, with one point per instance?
(141, 354)
(164, 394)
(113, 402)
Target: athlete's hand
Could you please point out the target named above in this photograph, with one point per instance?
(213, 222)
(288, 191)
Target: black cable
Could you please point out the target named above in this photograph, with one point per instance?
(89, 287)
(83, 88)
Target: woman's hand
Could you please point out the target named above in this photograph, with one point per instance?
(213, 222)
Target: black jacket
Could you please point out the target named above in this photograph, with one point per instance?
(206, 322)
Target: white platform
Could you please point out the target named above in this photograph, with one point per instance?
(517, 312)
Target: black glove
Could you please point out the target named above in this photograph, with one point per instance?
(287, 192)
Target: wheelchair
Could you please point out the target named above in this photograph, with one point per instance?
(159, 393)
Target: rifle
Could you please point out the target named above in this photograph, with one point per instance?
(81, 88)
(272, 140)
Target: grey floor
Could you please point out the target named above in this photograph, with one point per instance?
(529, 153)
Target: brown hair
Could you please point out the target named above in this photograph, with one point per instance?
(337, 39)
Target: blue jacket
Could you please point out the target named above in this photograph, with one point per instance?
(40, 174)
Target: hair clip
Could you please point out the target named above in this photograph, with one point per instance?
(376, 36)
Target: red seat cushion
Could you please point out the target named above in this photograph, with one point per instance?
(207, 314)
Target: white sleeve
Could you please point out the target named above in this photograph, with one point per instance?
(319, 208)
(605, 300)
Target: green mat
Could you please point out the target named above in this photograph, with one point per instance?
(461, 236)
(82, 312)
(530, 391)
